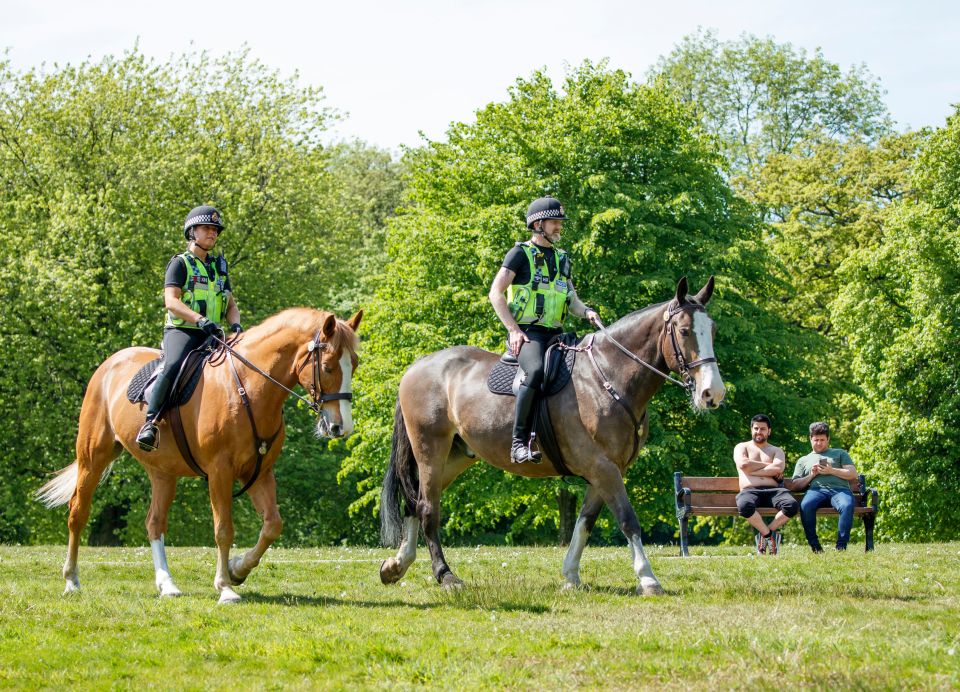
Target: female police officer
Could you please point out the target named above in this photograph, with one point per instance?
(198, 296)
(536, 277)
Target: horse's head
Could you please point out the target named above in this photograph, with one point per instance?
(688, 345)
(328, 362)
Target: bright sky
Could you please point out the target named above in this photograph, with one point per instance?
(397, 67)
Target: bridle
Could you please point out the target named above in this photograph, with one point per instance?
(314, 349)
(683, 367)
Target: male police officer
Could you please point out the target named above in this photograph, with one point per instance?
(535, 276)
(198, 296)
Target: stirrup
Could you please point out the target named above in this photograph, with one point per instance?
(533, 455)
(148, 444)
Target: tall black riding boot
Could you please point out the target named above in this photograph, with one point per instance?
(521, 448)
(149, 436)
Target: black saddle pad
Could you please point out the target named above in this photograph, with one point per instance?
(557, 369)
(183, 387)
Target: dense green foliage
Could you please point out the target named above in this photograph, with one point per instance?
(898, 307)
(320, 619)
(834, 240)
(760, 97)
(648, 204)
(99, 164)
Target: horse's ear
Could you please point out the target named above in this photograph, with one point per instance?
(682, 291)
(354, 321)
(703, 296)
(329, 326)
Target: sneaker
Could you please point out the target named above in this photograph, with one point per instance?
(773, 543)
(762, 543)
(521, 453)
(841, 546)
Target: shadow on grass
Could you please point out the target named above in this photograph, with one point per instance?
(334, 602)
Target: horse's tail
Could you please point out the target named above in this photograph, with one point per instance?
(58, 490)
(400, 482)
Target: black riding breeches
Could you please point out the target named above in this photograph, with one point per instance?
(531, 364)
(177, 343)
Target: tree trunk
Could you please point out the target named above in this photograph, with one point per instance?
(567, 502)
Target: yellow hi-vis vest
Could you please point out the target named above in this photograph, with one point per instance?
(541, 301)
(202, 293)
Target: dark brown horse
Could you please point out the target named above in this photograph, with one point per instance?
(446, 419)
(298, 345)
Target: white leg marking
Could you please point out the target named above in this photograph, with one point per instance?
(649, 586)
(346, 409)
(163, 579)
(571, 563)
(408, 546)
(228, 596)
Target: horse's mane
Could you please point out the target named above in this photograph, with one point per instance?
(310, 320)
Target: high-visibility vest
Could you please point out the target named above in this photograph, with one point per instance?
(201, 292)
(541, 300)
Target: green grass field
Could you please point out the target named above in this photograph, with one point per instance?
(321, 619)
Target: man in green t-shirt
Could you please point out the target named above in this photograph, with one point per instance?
(827, 472)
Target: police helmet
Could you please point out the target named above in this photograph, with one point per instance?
(202, 216)
(544, 208)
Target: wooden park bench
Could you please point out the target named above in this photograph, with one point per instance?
(715, 496)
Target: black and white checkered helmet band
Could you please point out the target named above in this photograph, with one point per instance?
(546, 214)
(212, 219)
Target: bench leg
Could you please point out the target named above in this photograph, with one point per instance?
(684, 543)
(868, 520)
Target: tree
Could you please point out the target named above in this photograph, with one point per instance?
(761, 98)
(99, 163)
(898, 307)
(648, 204)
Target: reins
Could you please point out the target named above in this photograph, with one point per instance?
(261, 446)
(684, 367)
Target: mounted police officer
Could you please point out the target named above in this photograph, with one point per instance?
(535, 276)
(198, 298)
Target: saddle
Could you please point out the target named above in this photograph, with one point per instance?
(183, 386)
(505, 376)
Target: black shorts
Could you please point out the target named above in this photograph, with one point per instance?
(748, 500)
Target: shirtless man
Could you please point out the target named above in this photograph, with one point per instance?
(760, 471)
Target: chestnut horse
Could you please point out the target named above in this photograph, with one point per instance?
(446, 418)
(301, 345)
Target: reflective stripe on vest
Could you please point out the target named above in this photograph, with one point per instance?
(201, 293)
(540, 301)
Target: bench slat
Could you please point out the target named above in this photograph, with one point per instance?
(731, 484)
(770, 511)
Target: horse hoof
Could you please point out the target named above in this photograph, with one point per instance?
(169, 590)
(650, 587)
(234, 579)
(451, 581)
(228, 596)
(389, 574)
(71, 587)
(572, 586)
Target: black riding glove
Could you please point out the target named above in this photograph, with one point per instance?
(236, 328)
(209, 327)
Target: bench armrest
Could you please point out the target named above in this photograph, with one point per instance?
(682, 496)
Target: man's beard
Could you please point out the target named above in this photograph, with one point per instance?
(759, 439)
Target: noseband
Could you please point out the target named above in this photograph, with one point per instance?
(314, 348)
